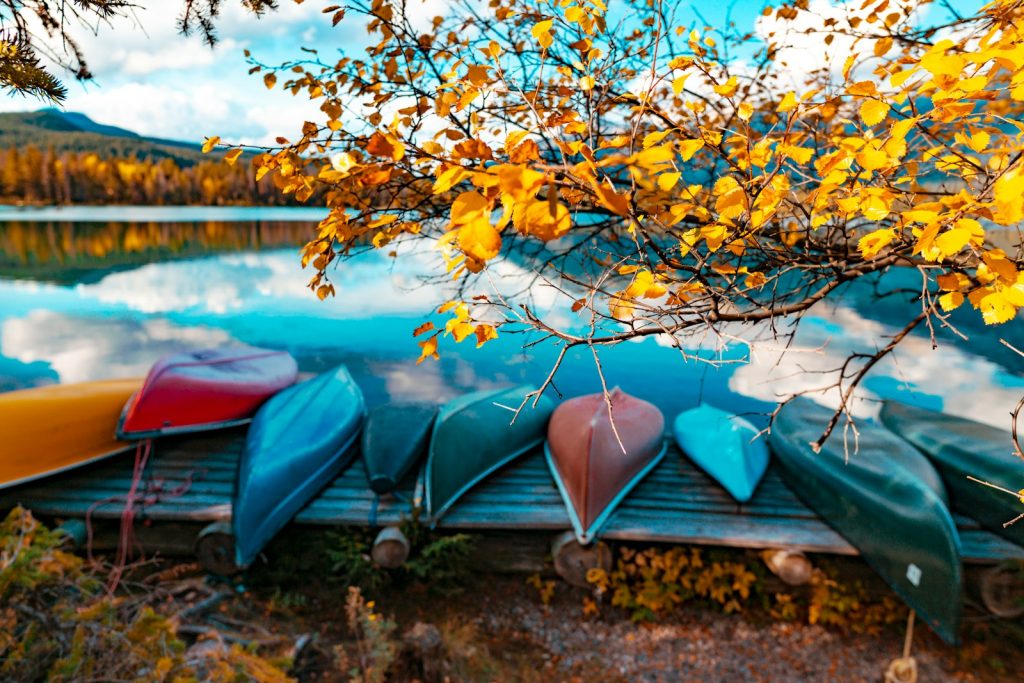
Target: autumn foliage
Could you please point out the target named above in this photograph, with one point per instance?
(34, 176)
(659, 184)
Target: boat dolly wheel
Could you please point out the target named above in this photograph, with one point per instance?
(215, 549)
(1002, 591)
(573, 561)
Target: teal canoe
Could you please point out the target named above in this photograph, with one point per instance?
(960, 448)
(886, 500)
(299, 441)
(725, 446)
(473, 436)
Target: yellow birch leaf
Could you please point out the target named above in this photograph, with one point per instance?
(873, 242)
(485, 333)
(687, 148)
(541, 32)
(210, 143)
(232, 156)
(996, 308)
(429, 348)
(872, 112)
(788, 103)
(951, 301)
(612, 200)
(729, 88)
(952, 241)
(479, 239)
(654, 138)
(666, 181)
(468, 206)
(449, 178)
(679, 83)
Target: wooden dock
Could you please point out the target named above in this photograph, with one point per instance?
(677, 503)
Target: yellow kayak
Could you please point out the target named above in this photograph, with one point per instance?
(50, 429)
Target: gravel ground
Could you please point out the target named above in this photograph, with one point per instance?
(710, 647)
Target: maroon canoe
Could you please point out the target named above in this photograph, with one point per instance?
(594, 472)
(201, 390)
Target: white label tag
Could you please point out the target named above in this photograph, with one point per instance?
(914, 574)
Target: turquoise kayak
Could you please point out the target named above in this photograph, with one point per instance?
(885, 498)
(961, 448)
(299, 441)
(473, 436)
(725, 446)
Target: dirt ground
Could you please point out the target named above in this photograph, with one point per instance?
(496, 628)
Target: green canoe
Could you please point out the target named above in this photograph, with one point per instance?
(474, 435)
(887, 501)
(960, 448)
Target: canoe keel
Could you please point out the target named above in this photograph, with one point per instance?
(299, 442)
(474, 436)
(597, 458)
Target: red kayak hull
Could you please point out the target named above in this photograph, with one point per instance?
(201, 390)
(594, 471)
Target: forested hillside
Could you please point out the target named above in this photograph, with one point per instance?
(55, 157)
(31, 175)
(72, 132)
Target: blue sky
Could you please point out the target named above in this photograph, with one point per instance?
(154, 81)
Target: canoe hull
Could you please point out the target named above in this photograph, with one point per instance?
(300, 440)
(395, 438)
(725, 446)
(881, 504)
(473, 438)
(48, 430)
(203, 390)
(960, 448)
(596, 459)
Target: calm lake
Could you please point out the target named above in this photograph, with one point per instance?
(97, 292)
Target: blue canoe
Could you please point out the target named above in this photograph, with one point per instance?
(299, 441)
(725, 446)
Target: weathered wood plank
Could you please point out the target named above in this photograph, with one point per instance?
(677, 503)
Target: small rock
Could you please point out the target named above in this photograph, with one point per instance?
(423, 639)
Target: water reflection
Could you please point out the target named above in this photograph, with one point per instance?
(158, 297)
(66, 252)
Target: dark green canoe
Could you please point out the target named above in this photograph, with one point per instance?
(395, 437)
(887, 501)
(960, 448)
(474, 435)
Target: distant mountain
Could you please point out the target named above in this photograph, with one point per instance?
(75, 132)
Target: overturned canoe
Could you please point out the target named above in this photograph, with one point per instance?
(47, 430)
(474, 435)
(960, 448)
(394, 439)
(298, 442)
(887, 501)
(597, 458)
(200, 390)
(725, 446)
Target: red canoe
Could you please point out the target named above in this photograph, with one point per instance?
(200, 390)
(594, 472)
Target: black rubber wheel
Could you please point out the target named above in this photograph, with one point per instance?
(1002, 591)
(215, 549)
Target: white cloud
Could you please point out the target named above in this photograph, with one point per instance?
(80, 349)
(801, 41)
(368, 285)
(970, 386)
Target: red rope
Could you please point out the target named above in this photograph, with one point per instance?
(153, 493)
